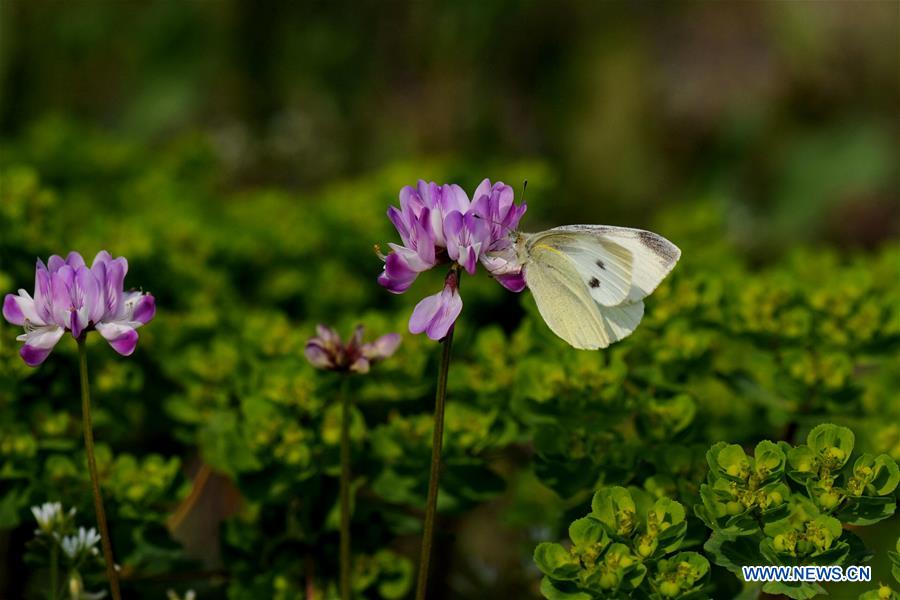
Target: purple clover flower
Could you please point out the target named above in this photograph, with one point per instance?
(439, 225)
(327, 351)
(69, 296)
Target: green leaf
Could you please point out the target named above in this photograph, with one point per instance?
(882, 593)
(867, 510)
(857, 553)
(734, 552)
(562, 590)
(668, 516)
(11, 505)
(733, 463)
(833, 444)
(587, 530)
(769, 461)
(224, 446)
(615, 508)
(668, 512)
(895, 561)
(396, 576)
(803, 464)
(750, 591)
(557, 562)
(878, 476)
(795, 590)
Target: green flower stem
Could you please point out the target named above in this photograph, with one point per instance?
(433, 480)
(111, 574)
(310, 577)
(345, 489)
(54, 570)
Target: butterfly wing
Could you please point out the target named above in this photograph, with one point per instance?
(652, 256)
(563, 301)
(589, 280)
(604, 266)
(568, 307)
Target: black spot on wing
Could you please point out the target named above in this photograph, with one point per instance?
(601, 264)
(594, 282)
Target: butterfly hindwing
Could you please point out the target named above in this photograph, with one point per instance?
(563, 300)
(589, 280)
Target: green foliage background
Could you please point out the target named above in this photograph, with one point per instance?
(243, 159)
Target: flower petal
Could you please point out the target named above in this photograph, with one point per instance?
(330, 337)
(454, 198)
(38, 343)
(382, 348)
(121, 336)
(424, 238)
(85, 295)
(453, 230)
(400, 224)
(355, 341)
(411, 258)
(21, 308)
(360, 365)
(101, 257)
(410, 201)
(483, 189)
(74, 260)
(468, 258)
(145, 309)
(397, 275)
(61, 296)
(514, 282)
(436, 314)
(110, 275)
(43, 293)
(317, 355)
(55, 263)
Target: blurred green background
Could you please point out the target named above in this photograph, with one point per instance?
(784, 110)
(242, 155)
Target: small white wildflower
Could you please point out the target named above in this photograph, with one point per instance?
(50, 517)
(84, 541)
(188, 595)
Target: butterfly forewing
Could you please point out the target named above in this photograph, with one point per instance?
(605, 267)
(654, 256)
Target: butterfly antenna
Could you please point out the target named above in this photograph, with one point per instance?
(477, 216)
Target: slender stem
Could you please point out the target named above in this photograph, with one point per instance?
(54, 569)
(310, 577)
(345, 490)
(433, 479)
(111, 574)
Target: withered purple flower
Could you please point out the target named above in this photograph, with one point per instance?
(327, 351)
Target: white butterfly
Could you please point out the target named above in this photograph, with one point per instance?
(589, 281)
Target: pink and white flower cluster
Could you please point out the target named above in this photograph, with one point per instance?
(70, 296)
(438, 224)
